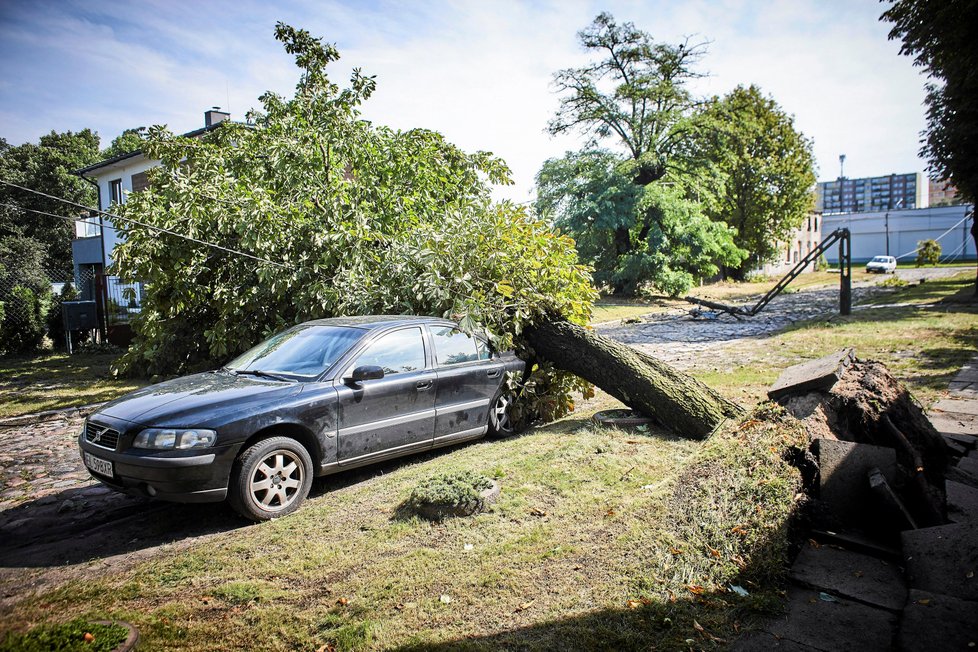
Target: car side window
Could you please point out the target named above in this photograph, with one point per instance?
(452, 346)
(485, 353)
(396, 352)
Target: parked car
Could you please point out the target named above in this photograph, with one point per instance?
(318, 398)
(882, 265)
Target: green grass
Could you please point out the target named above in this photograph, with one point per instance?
(923, 333)
(575, 554)
(50, 381)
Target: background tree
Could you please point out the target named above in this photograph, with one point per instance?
(928, 252)
(939, 35)
(635, 98)
(130, 140)
(630, 233)
(47, 166)
(769, 170)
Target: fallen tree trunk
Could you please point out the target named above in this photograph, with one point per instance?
(675, 400)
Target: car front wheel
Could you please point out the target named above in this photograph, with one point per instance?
(270, 479)
(500, 415)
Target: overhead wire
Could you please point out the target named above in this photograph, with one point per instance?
(126, 219)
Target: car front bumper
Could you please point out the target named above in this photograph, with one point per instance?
(186, 476)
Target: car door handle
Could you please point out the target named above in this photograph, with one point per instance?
(493, 373)
(423, 385)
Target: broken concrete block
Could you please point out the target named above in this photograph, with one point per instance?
(968, 441)
(957, 475)
(825, 622)
(952, 423)
(968, 465)
(955, 447)
(956, 406)
(812, 375)
(762, 641)
(938, 622)
(843, 489)
(889, 501)
(943, 559)
(851, 575)
(962, 502)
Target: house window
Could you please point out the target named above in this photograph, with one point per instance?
(140, 181)
(816, 224)
(115, 191)
(789, 254)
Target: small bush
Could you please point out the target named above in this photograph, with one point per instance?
(23, 322)
(455, 492)
(892, 282)
(928, 252)
(67, 637)
(821, 264)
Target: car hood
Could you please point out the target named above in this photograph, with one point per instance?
(196, 400)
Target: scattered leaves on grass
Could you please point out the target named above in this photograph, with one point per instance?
(524, 606)
(326, 647)
(537, 512)
(695, 589)
(343, 602)
(445, 599)
(675, 551)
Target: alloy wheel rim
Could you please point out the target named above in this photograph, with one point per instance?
(500, 414)
(276, 481)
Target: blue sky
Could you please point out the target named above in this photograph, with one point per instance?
(478, 71)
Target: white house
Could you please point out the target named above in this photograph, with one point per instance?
(95, 238)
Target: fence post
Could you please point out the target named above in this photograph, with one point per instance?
(101, 306)
(845, 273)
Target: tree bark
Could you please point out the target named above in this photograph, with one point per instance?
(675, 400)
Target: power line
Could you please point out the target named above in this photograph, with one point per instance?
(959, 223)
(127, 219)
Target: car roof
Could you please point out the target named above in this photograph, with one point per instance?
(371, 322)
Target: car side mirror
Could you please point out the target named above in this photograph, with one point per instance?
(366, 372)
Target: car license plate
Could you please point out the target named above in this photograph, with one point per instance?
(97, 464)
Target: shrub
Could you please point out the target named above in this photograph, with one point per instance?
(23, 322)
(821, 264)
(446, 493)
(928, 252)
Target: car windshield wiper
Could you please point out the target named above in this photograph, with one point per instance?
(259, 373)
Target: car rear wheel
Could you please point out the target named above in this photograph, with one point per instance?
(270, 479)
(500, 415)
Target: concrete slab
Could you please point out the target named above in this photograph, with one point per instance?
(814, 374)
(851, 575)
(834, 624)
(955, 405)
(937, 623)
(943, 559)
(843, 478)
(968, 441)
(951, 423)
(954, 447)
(962, 502)
(958, 475)
(968, 465)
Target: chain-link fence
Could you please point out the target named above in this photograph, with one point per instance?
(34, 305)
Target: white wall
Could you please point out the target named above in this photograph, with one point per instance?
(905, 229)
(122, 170)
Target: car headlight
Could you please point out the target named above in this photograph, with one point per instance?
(179, 438)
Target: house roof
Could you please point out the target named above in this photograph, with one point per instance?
(122, 157)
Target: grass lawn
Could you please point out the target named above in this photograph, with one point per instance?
(609, 309)
(56, 380)
(923, 333)
(602, 539)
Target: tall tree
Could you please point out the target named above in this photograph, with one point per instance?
(634, 97)
(130, 140)
(769, 170)
(939, 35)
(635, 94)
(47, 166)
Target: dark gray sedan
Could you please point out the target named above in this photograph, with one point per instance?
(318, 398)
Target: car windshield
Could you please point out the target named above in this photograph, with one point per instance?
(881, 259)
(302, 353)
